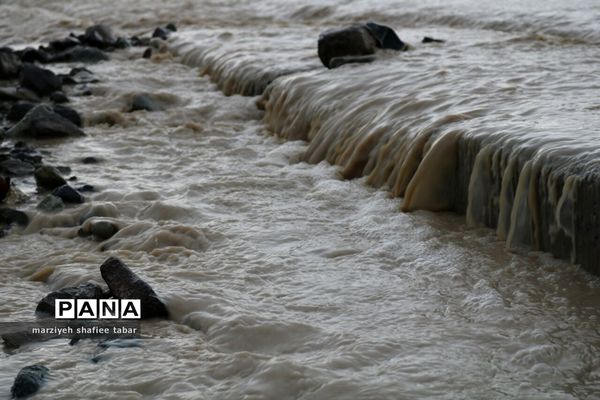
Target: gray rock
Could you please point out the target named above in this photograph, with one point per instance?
(84, 291)
(28, 381)
(39, 80)
(42, 122)
(101, 230)
(125, 284)
(68, 194)
(59, 97)
(100, 36)
(51, 203)
(16, 167)
(48, 177)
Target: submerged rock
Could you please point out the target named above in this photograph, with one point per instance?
(356, 43)
(42, 122)
(51, 203)
(125, 284)
(171, 27)
(144, 102)
(9, 64)
(79, 75)
(90, 160)
(84, 291)
(28, 381)
(41, 81)
(68, 194)
(428, 39)
(100, 229)
(48, 177)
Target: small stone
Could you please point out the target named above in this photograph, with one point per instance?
(51, 203)
(428, 39)
(90, 160)
(139, 42)
(68, 194)
(101, 230)
(59, 97)
(48, 177)
(28, 381)
(161, 33)
(147, 53)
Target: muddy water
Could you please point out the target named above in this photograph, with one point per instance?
(285, 281)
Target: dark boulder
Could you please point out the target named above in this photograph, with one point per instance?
(9, 63)
(28, 381)
(385, 37)
(31, 55)
(428, 39)
(9, 216)
(42, 122)
(79, 75)
(125, 284)
(356, 43)
(84, 54)
(68, 194)
(51, 203)
(63, 44)
(39, 80)
(100, 36)
(68, 113)
(84, 291)
(21, 108)
(48, 177)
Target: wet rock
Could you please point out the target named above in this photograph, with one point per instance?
(9, 64)
(59, 97)
(19, 109)
(82, 90)
(122, 43)
(79, 75)
(98, 210)
(428, 39)
(385, 37)
(4, 187)
(139, 42)
(100, 36)
(39, 80)
(147, 53)
(68, 113)
(31, 55)
(51, 203)
(68, 194)
(17, 94)
(84, 291)
(63, 44)
(90, 160)
(100, 229)
(48, 177)
(356, 43)
(42, 122)
(86, 188)
(25, 153)
(16, 167)
(125, 284)
(143, 102)
(171, 27)
(29, 380)
(161, 33)
(83, 54)
(9, 216)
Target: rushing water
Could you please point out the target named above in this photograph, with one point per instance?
(285, 281)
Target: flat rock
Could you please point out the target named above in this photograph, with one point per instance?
(41, 81)
(28, 381)
(42, 122)
(125, 284)
(84, 291)
(68, 194)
